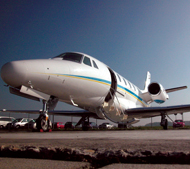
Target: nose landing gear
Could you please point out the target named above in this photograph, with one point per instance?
(43, 122)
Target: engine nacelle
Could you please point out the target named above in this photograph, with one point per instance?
(157, 92)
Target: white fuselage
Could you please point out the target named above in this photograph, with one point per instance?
(81, 84)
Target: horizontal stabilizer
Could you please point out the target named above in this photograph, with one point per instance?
(175, 89)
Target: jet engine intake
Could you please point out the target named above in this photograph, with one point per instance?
(157, 92)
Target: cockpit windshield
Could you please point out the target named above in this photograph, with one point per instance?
(75, 57)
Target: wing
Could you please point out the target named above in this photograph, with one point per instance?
(76, 113)
(156, 111)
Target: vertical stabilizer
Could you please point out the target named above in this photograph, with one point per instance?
(147, 82)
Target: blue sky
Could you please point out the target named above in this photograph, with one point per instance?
(130, 36)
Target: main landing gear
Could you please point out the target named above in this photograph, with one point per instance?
(85, 123)
(164, 121)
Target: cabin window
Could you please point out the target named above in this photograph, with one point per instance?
(119, 77)
(95, 65)
(130, 85)
(86, 61)
(134, 87)
(75, 57)
(138, 90)
(125, 81)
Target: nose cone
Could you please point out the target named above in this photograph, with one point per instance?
(13, 73)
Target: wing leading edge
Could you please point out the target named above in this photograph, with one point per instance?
(132, 113)
(156, 111)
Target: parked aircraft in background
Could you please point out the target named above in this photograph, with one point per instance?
(85, 82)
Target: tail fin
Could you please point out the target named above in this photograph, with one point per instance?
(147, 82)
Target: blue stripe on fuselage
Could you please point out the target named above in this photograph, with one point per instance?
(90, 78)
(108, 83)
(127, 90)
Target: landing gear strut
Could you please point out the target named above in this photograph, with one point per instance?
(85, 123)
(43, 122)
(164, 121)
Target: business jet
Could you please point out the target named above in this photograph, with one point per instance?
(85, 82)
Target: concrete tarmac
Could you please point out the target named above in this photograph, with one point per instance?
(164, 140)
(124, 134)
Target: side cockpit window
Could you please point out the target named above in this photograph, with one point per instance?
(95, 65)
(86, 61)
(75, 57)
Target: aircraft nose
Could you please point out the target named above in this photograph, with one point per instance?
(13, 73)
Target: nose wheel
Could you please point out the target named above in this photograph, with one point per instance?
(43, 122)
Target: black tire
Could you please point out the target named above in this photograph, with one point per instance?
(41, 123)
(85, 128)
(165, 125)
(17, 127)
